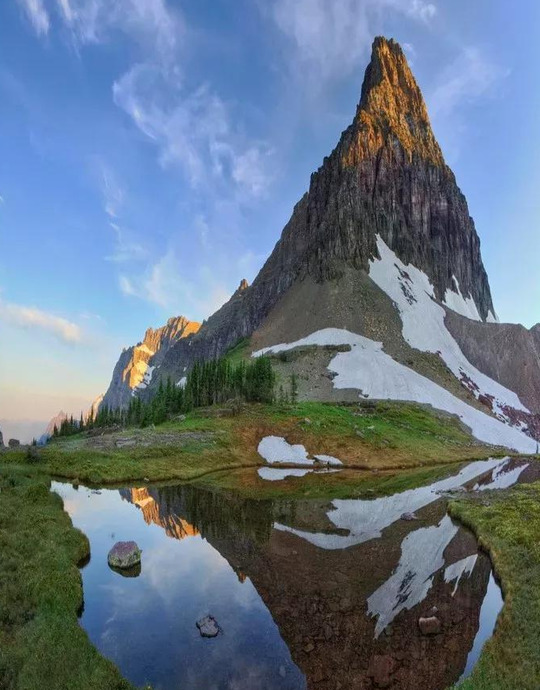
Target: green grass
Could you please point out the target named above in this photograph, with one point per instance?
(42, 646)
(240, 351)
(507, 525)
(389, 436)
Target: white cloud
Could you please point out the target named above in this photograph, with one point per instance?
(424, 11)
(125, 249)
(37, 14)
(113, 193)
(333, 37)
(468, 77)
(33, 318)
(165, 285)
(191, 129)
(151, 22)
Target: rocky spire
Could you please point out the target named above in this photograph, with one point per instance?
(391, 107)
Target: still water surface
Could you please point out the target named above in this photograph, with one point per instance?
(323, 594)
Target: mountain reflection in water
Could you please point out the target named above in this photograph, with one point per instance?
(294, 613)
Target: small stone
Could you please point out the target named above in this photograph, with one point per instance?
(306, 420)
(208, 626)
(409, 517)
(429, 626)
(309, 647)
(124, 554)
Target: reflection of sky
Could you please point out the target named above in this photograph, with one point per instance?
(146, 625)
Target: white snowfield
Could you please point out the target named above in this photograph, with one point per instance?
(275, 449)
(373, 372)
(423, 323)
(366, 519)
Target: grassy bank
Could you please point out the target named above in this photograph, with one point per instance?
(384, 436)
(507, 525)
(42, 645)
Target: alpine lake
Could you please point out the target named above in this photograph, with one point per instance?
(383, 591)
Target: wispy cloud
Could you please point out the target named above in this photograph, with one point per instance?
(470, 76)
(333, 37)
(192, 129)
(152, 23)
(37, 15)
(164, 284)
(34, 318)
(113, 192)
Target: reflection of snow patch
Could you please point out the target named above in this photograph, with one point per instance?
(273, 474)
(502, 478)
(462, 568)
(424, 327)
(421, 556)
(367, 368)
(366, 519)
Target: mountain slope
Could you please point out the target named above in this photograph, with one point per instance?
(381, 246)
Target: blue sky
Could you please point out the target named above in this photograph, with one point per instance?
(152, 150)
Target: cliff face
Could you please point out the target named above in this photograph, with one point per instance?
(386, 177)
(133, 371)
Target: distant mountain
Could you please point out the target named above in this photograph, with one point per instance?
(54, 421)
(134, 369)
(380, 261)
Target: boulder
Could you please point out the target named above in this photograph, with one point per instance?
(208, 626)
(430, 625)
(14, 443)
(124, 554)
(409, 517)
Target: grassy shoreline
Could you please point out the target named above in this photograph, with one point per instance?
(507, 526)
(41, 643)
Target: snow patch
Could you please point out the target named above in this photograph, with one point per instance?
(147, 377)
(466, 306)
(275, 449)
(424, 327)
(328, 459)
(460, 569)
(373, 372)
(182, 382)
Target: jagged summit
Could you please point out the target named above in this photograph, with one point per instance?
(391, 104)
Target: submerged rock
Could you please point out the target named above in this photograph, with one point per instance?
(429, 626)
(409, 517)
(124, 554)
(208, 626)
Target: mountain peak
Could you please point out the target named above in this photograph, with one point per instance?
(391, 108)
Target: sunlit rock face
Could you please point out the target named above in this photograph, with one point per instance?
(136, 365)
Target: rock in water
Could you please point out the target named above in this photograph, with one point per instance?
(208, 626)
(124, 554)
(408, 517)
(429, 626)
